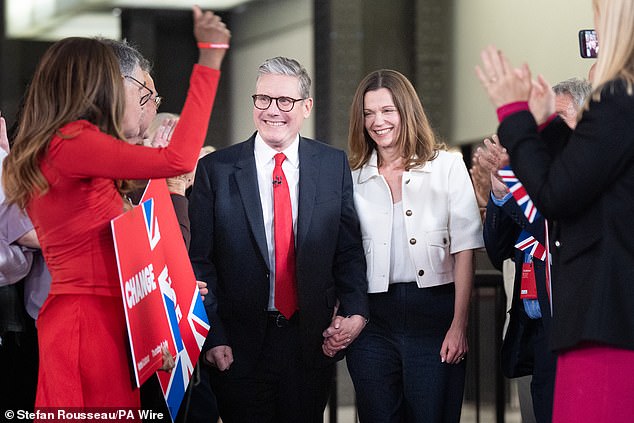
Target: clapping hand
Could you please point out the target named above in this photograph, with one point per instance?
(163, 133)
(503, 83)
(490, 158)
(542, 100)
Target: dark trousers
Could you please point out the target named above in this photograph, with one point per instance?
(18, 383)
(199, 404)
(152, 399)
(395, 362)
(280, 389)
(543, 380)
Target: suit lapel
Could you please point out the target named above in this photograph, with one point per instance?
(308, 176)
(247, 181)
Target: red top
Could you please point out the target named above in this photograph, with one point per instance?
(72, 219)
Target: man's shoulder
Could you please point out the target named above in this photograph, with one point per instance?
(321, 147)
(227, 154)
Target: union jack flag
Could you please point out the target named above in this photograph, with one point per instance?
(519, 193)
(151, 223)
(189, 334)
(185, 309)
(527, 243)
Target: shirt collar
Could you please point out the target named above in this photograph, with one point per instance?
(265, 154)
(371, 169)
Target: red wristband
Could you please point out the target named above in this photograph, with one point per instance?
(213, 45)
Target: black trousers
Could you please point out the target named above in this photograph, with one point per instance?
(543, 381)
(19, 355)
(280, 389)
(199, 404)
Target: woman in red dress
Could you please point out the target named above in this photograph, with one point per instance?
(66, 168)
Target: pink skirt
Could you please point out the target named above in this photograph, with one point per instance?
(84, 354)
(594, 383)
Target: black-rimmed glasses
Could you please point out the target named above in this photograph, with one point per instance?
(158, 100)
(285, 104)
(148, 95)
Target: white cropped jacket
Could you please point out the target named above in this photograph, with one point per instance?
(441, 218)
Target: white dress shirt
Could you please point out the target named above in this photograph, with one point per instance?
(265, 163)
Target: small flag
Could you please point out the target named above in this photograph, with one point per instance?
(527, 243)
(519, 193)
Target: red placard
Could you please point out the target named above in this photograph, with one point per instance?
(136, 237)
(156, 228)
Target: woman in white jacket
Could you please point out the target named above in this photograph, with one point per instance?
(420, 224)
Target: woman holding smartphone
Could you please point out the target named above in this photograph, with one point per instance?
(582, 181)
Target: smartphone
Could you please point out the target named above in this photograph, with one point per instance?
(588, 43)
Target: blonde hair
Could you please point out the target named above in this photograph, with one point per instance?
(416, 139)
(77, 78)
(616, 53)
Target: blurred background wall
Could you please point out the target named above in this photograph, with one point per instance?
(436, 43)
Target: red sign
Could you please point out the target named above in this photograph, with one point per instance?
(140, 268)
(155, 248)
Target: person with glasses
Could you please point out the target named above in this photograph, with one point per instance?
(66, 169)
(140, 97)
(276, 237)
(155, 130)
(150, 111)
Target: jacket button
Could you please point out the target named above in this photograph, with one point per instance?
(557, 244)
(408, 213)
(421, 272)
(412, 241)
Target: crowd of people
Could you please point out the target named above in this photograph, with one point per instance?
(71, 199)
(305, 255)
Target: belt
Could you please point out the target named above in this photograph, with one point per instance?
(276, 318)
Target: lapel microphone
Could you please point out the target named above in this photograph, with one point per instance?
(277, 181)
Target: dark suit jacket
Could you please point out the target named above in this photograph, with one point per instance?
(502, 227)
(587, 189)
(229, 250)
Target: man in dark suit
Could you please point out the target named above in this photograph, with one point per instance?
(277, 240)
(526, 348)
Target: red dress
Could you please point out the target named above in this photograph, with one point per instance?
(84, 353)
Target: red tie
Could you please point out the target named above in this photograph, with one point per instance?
(285, 282)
